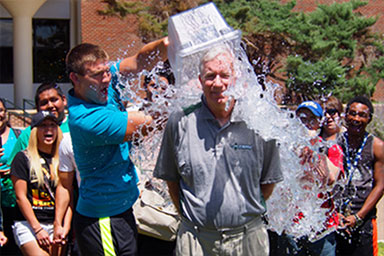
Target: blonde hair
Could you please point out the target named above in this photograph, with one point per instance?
(35, 168)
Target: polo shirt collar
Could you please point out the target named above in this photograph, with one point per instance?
(207, 114)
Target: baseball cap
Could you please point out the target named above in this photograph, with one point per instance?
(38, 118)
(313, 106)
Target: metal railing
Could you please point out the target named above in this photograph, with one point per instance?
(24, 113)
(28, 102)
(25, 103)
(10, 103)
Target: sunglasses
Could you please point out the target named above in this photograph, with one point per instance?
(331, 111)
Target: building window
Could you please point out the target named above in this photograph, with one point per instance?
(6, 51)
(50, 45)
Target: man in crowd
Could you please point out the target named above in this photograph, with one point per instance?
(48, 97)
(65, 196)
(364, 171)
(100, 129)
(218, 171)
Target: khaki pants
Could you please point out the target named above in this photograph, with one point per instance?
(249, 239)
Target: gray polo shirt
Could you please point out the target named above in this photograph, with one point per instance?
(220, 169)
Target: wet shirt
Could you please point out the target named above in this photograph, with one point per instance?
(362, 180)
(108, 178)
(220, 169)
(41, 198)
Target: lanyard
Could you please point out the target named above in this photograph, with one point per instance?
(352, 166)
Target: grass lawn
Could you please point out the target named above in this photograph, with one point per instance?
(381, 249)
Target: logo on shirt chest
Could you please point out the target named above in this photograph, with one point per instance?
(237, 146)
(126, 178)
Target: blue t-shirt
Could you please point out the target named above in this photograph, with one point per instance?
(108, 177)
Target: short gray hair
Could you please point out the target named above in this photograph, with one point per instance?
(212, 53)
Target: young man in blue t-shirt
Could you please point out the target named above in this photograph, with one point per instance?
(100, 130)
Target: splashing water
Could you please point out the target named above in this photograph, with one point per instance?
(295, 196)
(261, 113)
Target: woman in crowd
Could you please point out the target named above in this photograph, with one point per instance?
(332, 127)
(34, 175)
(8, 138)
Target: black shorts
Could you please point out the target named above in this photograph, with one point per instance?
(115, 235)
(363, 240)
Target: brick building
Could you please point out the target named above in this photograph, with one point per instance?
(117, 36)
(76, 21)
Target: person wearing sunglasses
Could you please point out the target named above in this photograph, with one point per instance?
(323, 243)
(331, 129)
(332, 125)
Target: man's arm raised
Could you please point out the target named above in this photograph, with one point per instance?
(146, 58)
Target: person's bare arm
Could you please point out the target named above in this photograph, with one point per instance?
(3, 239)
(174, 192)
(25, 207)
(378, 173)
(146, 58)
(64, 204)
(267, 190)
(137, 120)
(378, 187)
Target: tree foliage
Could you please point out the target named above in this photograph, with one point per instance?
(329, 50)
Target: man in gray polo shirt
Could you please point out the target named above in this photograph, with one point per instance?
(218, 170)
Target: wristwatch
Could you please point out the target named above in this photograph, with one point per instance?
(359, 221)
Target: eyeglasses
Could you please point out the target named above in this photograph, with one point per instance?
(331, 111)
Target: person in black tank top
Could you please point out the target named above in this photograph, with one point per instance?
(364, 182)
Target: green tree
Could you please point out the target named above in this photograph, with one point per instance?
(329, 50)
(324, 51)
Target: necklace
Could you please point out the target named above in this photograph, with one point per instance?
(350, 191)
(352, 166)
